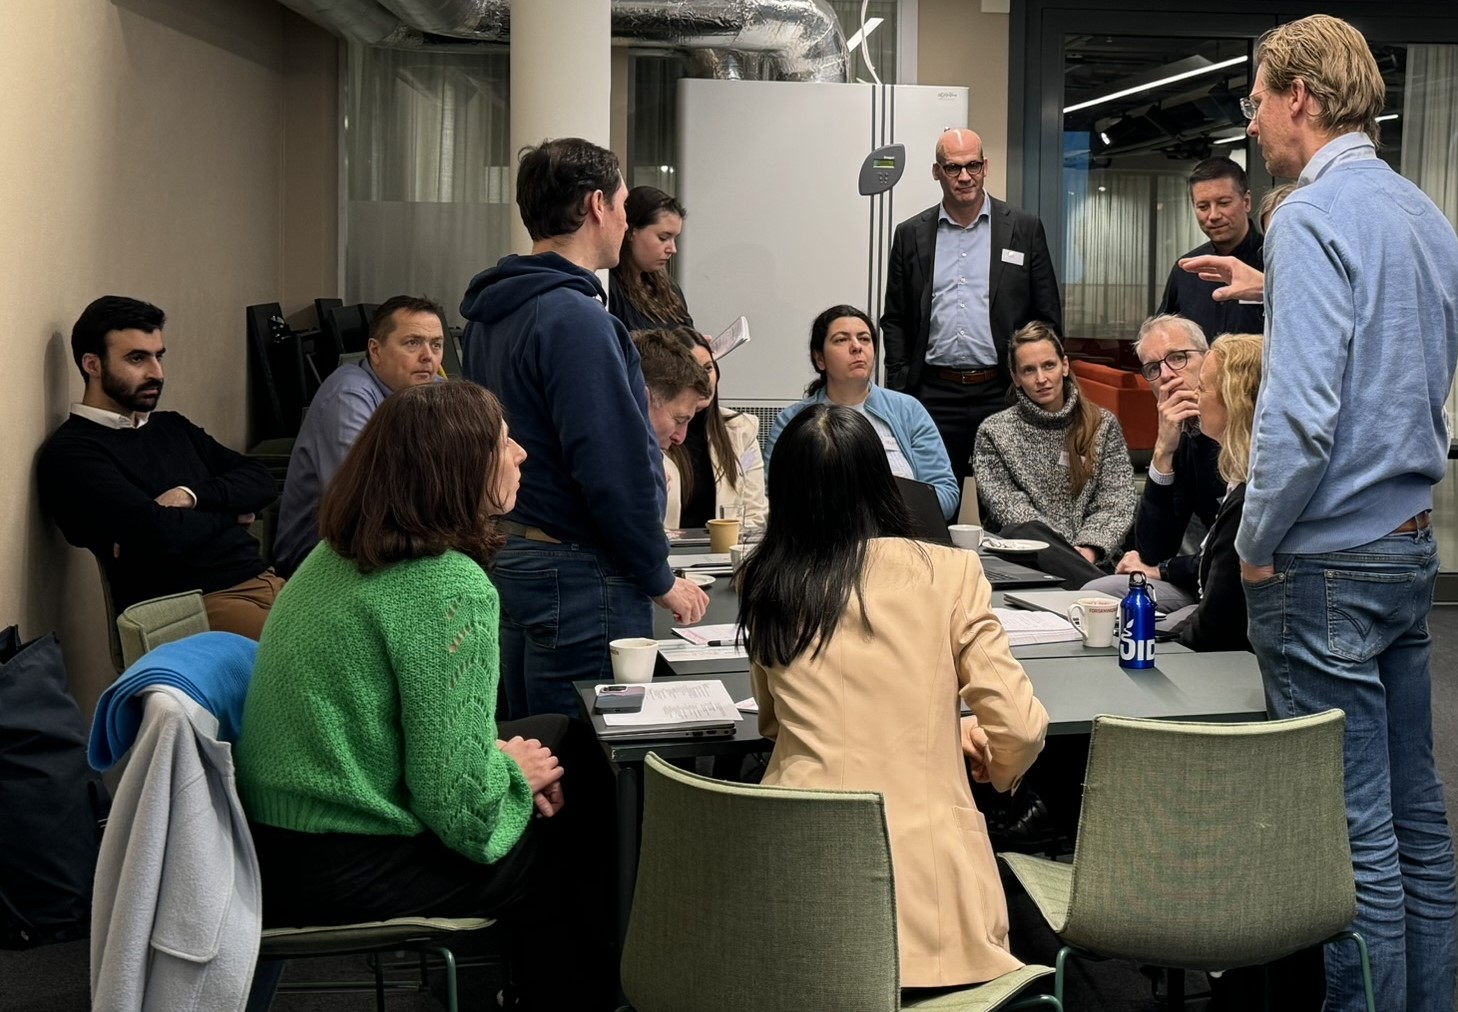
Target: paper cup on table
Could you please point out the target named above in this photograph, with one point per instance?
(633, 659)
(1096, 618)
(723, 535)
(966, 536)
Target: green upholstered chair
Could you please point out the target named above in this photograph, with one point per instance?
(1204, 846)
(772, 900)
(148, 624)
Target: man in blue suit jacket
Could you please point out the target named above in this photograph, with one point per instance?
(963, 276)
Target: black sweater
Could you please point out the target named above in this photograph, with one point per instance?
(1165, 510)
(100, 484)
(1219, 620)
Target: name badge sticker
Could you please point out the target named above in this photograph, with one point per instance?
(1012, 256)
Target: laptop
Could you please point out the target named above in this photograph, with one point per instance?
(928, 523)
(666, 732)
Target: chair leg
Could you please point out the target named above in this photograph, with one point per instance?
(1352, 936)
(449, 958)
(1036, 999)
(379, 964)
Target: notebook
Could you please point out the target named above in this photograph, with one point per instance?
(928, 523)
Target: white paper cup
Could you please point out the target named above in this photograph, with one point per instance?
(966, 536)
(1096, 618)
(633, 659)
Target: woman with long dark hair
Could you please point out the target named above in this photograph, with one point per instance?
(863, 643)
(375, 776)
(843, 353)
(719, 463)
(1054, 467)
(640, 291)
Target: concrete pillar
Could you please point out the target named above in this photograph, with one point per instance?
(561, 78)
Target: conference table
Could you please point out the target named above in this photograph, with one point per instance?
(1075, 683)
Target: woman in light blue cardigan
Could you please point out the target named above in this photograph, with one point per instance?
(843, 351)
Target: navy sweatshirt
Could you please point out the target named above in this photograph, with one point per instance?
(538, 336)
(100, 485)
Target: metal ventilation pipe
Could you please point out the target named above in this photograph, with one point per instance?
(800, 39)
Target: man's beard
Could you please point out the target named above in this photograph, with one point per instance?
(138, 398)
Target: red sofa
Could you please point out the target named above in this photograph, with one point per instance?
(1126, 394)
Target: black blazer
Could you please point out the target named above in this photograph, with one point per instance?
(1219, 620)
(1017, 294)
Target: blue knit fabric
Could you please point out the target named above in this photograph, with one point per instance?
(214, 668)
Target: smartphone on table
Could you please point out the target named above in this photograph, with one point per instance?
(617, 698)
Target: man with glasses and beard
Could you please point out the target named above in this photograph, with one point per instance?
(163, 506)
(962, 276)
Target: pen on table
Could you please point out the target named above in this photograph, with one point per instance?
(722, 643)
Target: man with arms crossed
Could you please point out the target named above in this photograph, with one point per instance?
(406, 342)
(963, 275)
(586, 554)
(163, 506)
(1336, 543)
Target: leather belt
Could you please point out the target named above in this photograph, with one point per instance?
(965, 376)
(530, 533)
(1421, 522)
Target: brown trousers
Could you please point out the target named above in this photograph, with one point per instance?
(242, 608)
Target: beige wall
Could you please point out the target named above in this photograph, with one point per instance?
(958, 44)
(145, 155)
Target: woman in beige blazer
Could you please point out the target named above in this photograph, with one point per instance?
(863, 643)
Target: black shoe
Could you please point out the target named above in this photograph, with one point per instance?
(1023, 824)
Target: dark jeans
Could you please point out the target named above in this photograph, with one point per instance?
(560, 606)
(552, 890)
(959, 409)
(1059, 559)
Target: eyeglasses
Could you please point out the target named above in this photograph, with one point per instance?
(954, 171)
(1249, 108)
(1176, 360)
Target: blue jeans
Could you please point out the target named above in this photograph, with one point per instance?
(560, 605)
(1350, 630)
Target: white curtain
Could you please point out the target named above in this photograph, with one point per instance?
(426, 147)
(1112, 275)
(1430, 134)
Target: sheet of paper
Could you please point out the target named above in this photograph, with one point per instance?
(734, 335)
(1024, 627)
(679, 703)
(682, 650)
(723, 635)
(750, 705)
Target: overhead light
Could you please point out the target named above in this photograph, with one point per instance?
(1104, 136)
(1209, 68)
(1102, 189)
(1391, 115)
(864, 33)
(1228, 140)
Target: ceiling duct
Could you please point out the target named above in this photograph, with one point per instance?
(796, 40)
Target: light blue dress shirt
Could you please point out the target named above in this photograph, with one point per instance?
(961, 331)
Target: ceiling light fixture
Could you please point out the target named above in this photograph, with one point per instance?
(1104, 136)
(1210, 68)
(1228, 140)
(1391, 115)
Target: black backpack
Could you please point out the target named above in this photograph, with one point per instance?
(54, 804)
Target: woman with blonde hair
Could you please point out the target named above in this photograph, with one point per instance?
(1054, 467)
(1230, 378)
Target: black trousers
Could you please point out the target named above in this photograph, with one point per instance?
(1059, 559)
(553, 889)
(959, 409)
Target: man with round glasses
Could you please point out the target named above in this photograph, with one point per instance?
(1184, 481)
(963, 275)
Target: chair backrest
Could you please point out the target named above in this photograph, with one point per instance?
(970, 512)
(118, 659)
(1207, 846)
(761, 898)
(148, 624)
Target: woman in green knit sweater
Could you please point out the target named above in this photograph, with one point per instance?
(376, 779)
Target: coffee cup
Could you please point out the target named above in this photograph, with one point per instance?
(633, 659)
(723, 535)
(1095, 618)
(966, 536)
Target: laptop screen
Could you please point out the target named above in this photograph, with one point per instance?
(927, 521)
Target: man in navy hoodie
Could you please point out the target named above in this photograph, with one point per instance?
(586, 557)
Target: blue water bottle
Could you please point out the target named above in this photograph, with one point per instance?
(1136, 625)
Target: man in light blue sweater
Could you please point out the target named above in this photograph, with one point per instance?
(1336, 544)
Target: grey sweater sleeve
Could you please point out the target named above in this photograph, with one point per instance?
(1110, 511)
(1007, 502)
